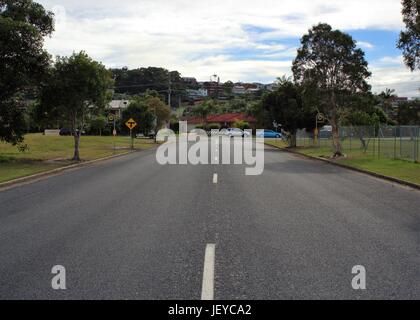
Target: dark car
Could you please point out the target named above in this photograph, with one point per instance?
(66, 132)
(69, 132)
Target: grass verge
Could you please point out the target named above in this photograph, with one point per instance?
(400, 169)
(49, 152)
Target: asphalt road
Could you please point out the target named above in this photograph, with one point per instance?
(130, 228)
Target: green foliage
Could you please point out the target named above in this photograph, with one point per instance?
(174, 125)
(213, 126)
(285, 106)
(409, 113)
(149, 111)
(205, 108)
(228, 88)
(76, 88)
(385, 99)
(160, 110)
(365, 109)
(409, 41)
(139, 111)
(241, 124)
(23, 62)
(330, 70)
(139, 81)
(98, 124)
(237, 105)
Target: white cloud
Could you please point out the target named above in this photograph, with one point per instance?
(365, 45)
(390, 61)
(193, 37)
(390, 72)
(405, 82)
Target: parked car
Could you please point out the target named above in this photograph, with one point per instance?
(66, 132)
(236, 132)
(150, 135)
(325, 132)
(69, 132)
(269, 134)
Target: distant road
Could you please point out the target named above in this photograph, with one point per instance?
(130, 228)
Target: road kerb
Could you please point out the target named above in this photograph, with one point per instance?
(374, 174)
(38, 176)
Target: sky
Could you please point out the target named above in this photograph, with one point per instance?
(239, 40)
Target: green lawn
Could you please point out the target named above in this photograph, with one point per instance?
(401, 169)
(46, 153)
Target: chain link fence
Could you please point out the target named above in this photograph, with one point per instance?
(396, 142)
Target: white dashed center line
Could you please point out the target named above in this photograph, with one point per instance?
(215, 178)
(207, 291)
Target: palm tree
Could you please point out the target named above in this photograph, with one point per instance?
(283, 80)
(387, 98)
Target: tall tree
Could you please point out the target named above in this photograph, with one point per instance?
(409, 41)
(77, 86)
(331, 69)
(23, 62)
(160, 110)
(149, 111)
(139, 111)
(386, 98)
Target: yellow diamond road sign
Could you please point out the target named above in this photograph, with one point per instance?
(131, 124)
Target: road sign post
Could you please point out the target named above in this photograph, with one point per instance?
(112, 118)
(320, 118)
(131, 124)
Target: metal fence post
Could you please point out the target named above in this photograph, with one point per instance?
(374, 141)
(416, 143)
(351, 134)
(399, 127)
(395, 142)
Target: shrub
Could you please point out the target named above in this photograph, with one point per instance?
(213, 126)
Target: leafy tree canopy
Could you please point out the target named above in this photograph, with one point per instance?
(76, 88)
(409, 113)
(138, 81)
(331, 70)
(409, 41)
(285, 106)
(23, 61)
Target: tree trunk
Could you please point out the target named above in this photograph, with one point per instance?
(76, 156)
(335, 129)
(336, 137)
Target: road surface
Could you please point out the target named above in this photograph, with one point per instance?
(129, 228)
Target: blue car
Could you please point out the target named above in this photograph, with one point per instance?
(269, 134)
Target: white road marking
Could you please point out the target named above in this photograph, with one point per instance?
(207, 290)
(215, 178)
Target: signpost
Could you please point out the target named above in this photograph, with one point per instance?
(320, 118)
(276, 125)
(112, 118)
(131, 124)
